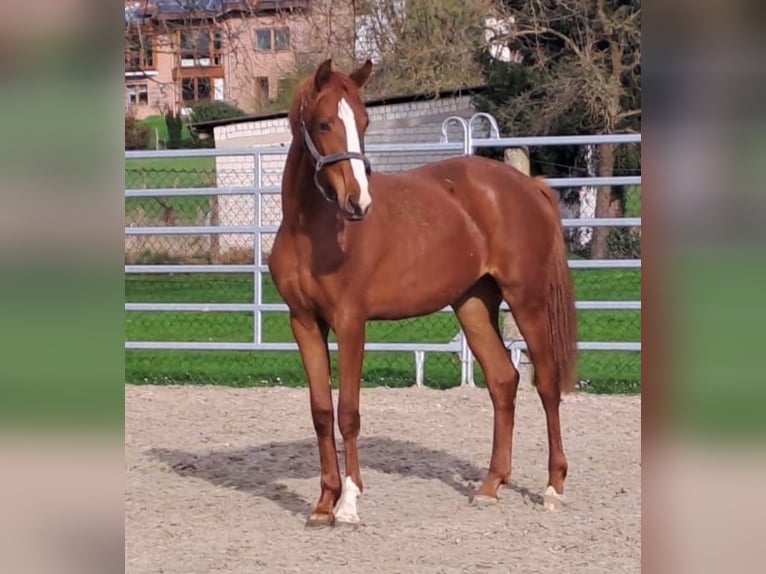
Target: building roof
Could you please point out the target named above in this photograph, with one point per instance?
(139, 11)
(208, 126)
(196, 6)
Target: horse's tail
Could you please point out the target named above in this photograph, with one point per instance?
(562, 316)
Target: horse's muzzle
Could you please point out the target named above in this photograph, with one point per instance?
(352, 211)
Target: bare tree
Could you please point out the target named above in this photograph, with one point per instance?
(580, 70)
(418, 46)
(423, 45)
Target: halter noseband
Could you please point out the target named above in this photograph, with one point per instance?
(322, 160)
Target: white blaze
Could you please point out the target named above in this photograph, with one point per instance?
(346, 115)
(346, 509)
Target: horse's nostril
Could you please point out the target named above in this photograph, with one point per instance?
(352, 206)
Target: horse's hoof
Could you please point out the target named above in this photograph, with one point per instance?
(483, 500)
(552, 500)
(317, 520)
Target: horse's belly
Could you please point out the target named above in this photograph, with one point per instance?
(423, 286)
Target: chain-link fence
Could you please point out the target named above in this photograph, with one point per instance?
(228, 305)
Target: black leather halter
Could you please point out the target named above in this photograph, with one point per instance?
(322, 160)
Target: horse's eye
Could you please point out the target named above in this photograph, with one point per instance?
(324, 127)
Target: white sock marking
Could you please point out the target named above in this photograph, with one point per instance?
(346, 509)
(346, 115)
(552, 500)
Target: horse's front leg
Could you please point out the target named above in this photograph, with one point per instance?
(311, 336)
(350, 331)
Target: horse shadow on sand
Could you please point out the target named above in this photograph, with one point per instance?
(259, 470)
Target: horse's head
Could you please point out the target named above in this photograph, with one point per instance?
(330, 117)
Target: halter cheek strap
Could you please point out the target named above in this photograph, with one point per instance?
(322, 160)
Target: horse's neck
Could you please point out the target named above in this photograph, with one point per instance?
(300, 197)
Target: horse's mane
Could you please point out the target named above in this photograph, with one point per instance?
(305, 96)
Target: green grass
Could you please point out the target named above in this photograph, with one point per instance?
(172, 164)
(604, 371)
(158, 127)
(169, 173)
(633, 201)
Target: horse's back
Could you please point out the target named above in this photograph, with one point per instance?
(492, 192)
(514, 213)
(470, 177)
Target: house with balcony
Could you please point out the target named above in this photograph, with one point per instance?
(180, 52)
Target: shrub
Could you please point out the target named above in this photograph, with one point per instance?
(136, 133)
(175, 128)
(214, 110)
(206, 143)
(624, 243)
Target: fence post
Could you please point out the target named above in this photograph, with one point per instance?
(466, 363)
(517, 157)
(257, 255)
(420, 359)
(215, 221)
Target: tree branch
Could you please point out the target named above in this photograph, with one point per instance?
(563, 37)
(627, 114)
(606, 24)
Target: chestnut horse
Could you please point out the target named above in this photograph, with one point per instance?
(355, 246)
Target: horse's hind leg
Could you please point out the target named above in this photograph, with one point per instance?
(478, 315)
(529, 307)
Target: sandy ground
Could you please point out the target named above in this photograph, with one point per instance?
(222, 480)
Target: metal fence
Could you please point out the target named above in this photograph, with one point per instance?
(200, 223)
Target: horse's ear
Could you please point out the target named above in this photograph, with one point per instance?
(322, 74)
(361, 75)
